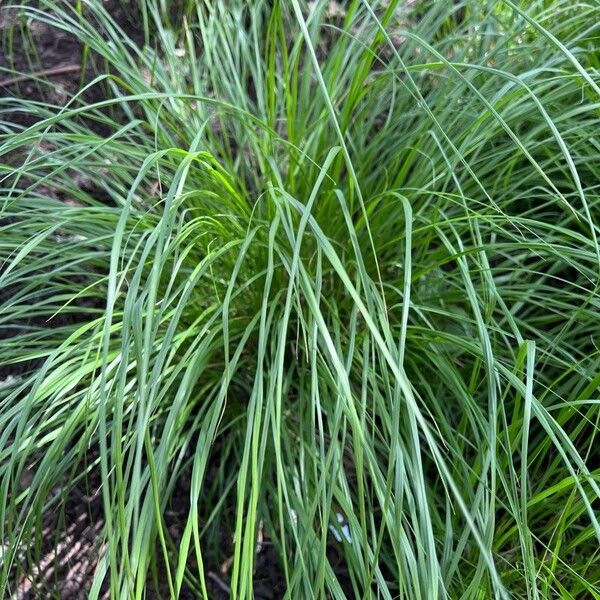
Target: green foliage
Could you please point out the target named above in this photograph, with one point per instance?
(312, 262)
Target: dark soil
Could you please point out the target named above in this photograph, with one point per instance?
(38, 62)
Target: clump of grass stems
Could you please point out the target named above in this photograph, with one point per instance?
(320, 265)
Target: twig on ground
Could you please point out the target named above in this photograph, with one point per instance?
(38, 74)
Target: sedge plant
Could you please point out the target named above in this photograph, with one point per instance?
(332, 268)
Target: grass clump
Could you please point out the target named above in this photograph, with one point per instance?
(309, 262)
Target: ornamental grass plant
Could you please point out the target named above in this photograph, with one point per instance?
(329, 268)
